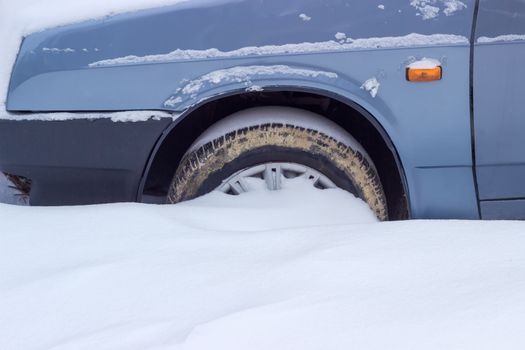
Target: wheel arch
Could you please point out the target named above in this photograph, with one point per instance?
(360, 123)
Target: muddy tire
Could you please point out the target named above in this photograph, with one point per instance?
(272, 135)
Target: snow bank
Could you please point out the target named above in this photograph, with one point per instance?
(271, 270)
(22, 17)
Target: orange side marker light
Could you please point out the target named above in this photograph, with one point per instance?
(421, 75)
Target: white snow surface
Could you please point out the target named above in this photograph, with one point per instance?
(244, 74)
(297, 269)
(425, 10)
(410, 40)
(305, 17)
(125, 116)
(279, 115)
(254, 88)
(340, 36)
(501, 38)
(57, 50)
(452, 6)
(22, 17)
(425, 63)
(372, 86)
(173, 101)
(430, 9)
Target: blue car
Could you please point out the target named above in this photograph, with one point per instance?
(415, 106)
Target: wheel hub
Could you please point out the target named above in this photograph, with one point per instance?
(272, 176)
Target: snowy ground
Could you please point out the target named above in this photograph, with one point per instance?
(296, 269)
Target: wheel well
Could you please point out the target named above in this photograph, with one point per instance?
(352, 118)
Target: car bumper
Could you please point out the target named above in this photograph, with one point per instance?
(78, 161)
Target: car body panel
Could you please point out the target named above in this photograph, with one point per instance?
(503, 210)
(87, 67)
(499, 76)
(69, 163)
(225, 25)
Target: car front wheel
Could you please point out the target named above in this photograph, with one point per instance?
(276, 144)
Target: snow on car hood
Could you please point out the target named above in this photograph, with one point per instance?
(22, 17)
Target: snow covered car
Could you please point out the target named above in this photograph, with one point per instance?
(414, 106)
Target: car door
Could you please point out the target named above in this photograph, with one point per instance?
(499, 108)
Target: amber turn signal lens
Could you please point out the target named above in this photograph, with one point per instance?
(424, 75)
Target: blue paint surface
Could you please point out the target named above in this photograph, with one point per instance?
(499, 75)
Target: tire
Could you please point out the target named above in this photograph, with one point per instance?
(273, 135)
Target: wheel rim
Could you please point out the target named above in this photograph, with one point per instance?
(272, 176)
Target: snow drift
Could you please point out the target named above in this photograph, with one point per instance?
(295, 269)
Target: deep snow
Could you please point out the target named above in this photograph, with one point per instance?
(296, 269)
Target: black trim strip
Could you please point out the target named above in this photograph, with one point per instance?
(503, 199)
(471, 93)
